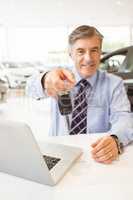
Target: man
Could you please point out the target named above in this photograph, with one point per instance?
(105, 106)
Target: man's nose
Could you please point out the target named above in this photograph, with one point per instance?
(87, 56)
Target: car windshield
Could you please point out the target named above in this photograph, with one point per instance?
(120, 60)
(114, 63)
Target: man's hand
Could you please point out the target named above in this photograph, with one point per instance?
(105, 150)
(57, 80)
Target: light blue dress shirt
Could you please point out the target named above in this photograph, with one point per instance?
(108, 106)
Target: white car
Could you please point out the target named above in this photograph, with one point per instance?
(17, 73)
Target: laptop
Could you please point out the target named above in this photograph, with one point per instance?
(20, 155)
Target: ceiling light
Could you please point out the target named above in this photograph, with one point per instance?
(120, 3)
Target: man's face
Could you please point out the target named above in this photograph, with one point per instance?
(85, 54)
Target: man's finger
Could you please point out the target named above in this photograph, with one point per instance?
(68, 75)
(95, 143)
(101, 144)
(103, 151)
(58, 80)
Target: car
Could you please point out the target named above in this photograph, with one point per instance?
(17, 73)
(120, 63)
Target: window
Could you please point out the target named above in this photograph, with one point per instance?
(36, 44)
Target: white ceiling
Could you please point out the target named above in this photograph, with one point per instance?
(65, 12)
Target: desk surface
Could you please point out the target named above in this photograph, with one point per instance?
(85, 180)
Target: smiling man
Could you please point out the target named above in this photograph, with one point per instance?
(99, 99)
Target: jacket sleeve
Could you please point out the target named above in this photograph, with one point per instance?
(34, 87)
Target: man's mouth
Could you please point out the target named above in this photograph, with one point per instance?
(87, 66)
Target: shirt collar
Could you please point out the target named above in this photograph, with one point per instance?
(91, 79)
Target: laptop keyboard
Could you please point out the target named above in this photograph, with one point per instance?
(51, 161)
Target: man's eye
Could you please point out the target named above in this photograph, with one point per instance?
(80, 52)
(95, 50)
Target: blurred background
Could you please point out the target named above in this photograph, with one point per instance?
(33, 38)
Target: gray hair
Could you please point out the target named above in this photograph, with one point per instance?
(82, 32)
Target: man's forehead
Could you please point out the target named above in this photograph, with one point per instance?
(86, 47)
(93, 42)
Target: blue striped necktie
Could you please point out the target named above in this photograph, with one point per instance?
(79, 114)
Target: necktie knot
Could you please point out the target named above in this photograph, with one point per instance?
(84, 84)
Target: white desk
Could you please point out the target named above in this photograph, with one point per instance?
(86, 179)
